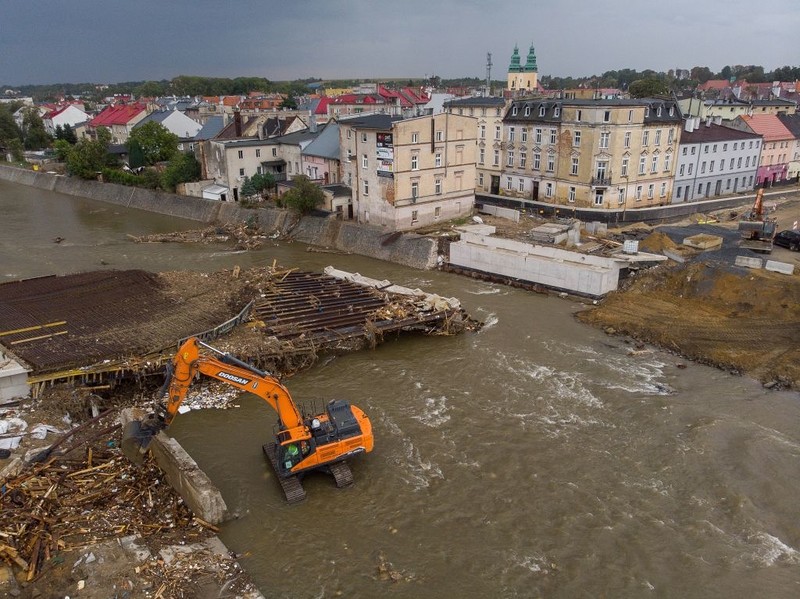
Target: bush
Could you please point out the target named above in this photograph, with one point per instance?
(111, 175)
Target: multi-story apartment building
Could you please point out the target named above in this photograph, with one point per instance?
(730, 107)
(488, 112)
(792, 123)
(410, 173)
(777, 147)
(714, 160)
(600, 153)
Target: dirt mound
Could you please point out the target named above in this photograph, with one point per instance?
(746, 322)
(657, 242)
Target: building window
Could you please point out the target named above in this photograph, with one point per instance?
(551, 163)
(693, 149)
(366, 187)
(645, 138)
(700, 189)
(548, 190)
(624, 170)
(364, 161)
(527, 111)
(650, 191)
(241, 172)
(364, 137)
(538, 136)
(414, 137)
(705, 149)
(537, 161)
(523, 157)
(437, 160)
(646, 111)
(730, 166)
(736, 145)
(621, 195)
(658, 137)
(724, 147)
(671, 135)
(437, 212)
(241, 154)
(681, 170)
(481, 156)
(728, 184)
(576, 139)
(703, 167)
(258, 152)
(578, 115)
(508, 183)
(658, 111)
(480, 179)
(604, 140)
(274, 151)
(638, 193)
(497, 158)
(714, 149)
(642, 164)
(521, 185)
(552, 136)
(541, 110)
(689, 172)
(524, 134)
(607, 116)
(349, 134)
(414, 216)
(414, 190)
(483, 131)
(630, 116)
(574, 165)
(497, 132)
(627, 140)
(440, 136)
(663, 190)
(510, 158)
(654, 164)
(438, 186)
(746, 162)
(598, 197)
(514, 111)
(557, 111)
(414, 162)
(711, 167)
(571, 195)
(678, 193)
(511, 134)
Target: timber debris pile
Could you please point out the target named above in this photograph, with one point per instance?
(244, 236)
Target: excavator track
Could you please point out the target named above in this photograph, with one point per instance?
(292, 487)
(341, 474)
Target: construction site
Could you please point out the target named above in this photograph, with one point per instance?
(76, 514)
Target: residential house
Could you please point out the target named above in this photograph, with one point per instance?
(776, 148)
(173, 121)
(792, 123)
(409, 173)
(598, 153)
(119, 119)
(351, 104)
(730, 107)
(489, 113)
(714, 160)
(67, 115)
(320, 159)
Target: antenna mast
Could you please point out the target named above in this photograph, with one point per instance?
(488, 73)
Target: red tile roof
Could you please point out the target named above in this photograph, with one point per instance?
(322, 107)
(120, 114)
(768, 126)
(714, 84)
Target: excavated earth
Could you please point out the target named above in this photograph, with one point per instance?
(741, 320)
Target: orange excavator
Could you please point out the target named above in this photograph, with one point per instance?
(302, 443)
(756, 229)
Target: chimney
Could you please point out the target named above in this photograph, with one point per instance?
(312, 123)
(688, 126)
(237, 123)
(708, 121)
(717, 120)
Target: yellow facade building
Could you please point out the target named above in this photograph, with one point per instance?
(523, 78)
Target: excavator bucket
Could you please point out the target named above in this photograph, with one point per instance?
(136, 439)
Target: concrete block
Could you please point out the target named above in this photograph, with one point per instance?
(672, 255)
(703, 241)
(184, 475)
(749, 262)
(781, 267)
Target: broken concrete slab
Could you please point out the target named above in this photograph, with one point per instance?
(748, 262)
(781, 267)
(184, 475)
(703, 241)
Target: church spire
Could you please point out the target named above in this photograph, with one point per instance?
(515, 64)
(530, 65)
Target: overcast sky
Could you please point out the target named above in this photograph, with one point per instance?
(55, 41)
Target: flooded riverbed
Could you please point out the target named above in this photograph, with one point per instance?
(538, 457)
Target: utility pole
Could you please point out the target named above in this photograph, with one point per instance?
(488, 74)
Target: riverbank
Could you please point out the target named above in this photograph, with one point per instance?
(408, 249)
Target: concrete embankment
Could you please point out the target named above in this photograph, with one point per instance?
(408, 249)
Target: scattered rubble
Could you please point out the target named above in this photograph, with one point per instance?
(245, 237)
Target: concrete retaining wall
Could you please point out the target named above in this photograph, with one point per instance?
(409, 249)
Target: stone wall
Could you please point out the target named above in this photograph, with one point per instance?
(407, 249)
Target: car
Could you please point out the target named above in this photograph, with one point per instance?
(788, 239)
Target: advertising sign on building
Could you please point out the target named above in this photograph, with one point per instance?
(385, 154)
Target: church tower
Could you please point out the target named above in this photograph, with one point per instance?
(523, 78)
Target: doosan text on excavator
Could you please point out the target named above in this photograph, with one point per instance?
(302, 444)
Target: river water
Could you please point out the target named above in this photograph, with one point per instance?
(536, 458)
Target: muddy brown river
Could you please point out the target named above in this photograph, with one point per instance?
(536, 458)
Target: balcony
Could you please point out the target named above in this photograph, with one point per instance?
(601, 180)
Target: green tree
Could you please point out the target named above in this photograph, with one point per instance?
(289, 103)
(35, 135)
(248, 190)
(182, 168)
(157, 142)
(17, 150)
(88, 157)
(303, 196)
(646, 88)
(69, 135)
(8, 127)
(263, 182)
(62, 148)
(135, 154)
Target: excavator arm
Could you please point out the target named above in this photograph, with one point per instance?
(186, 365)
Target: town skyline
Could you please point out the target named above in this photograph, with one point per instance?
(91, 41)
